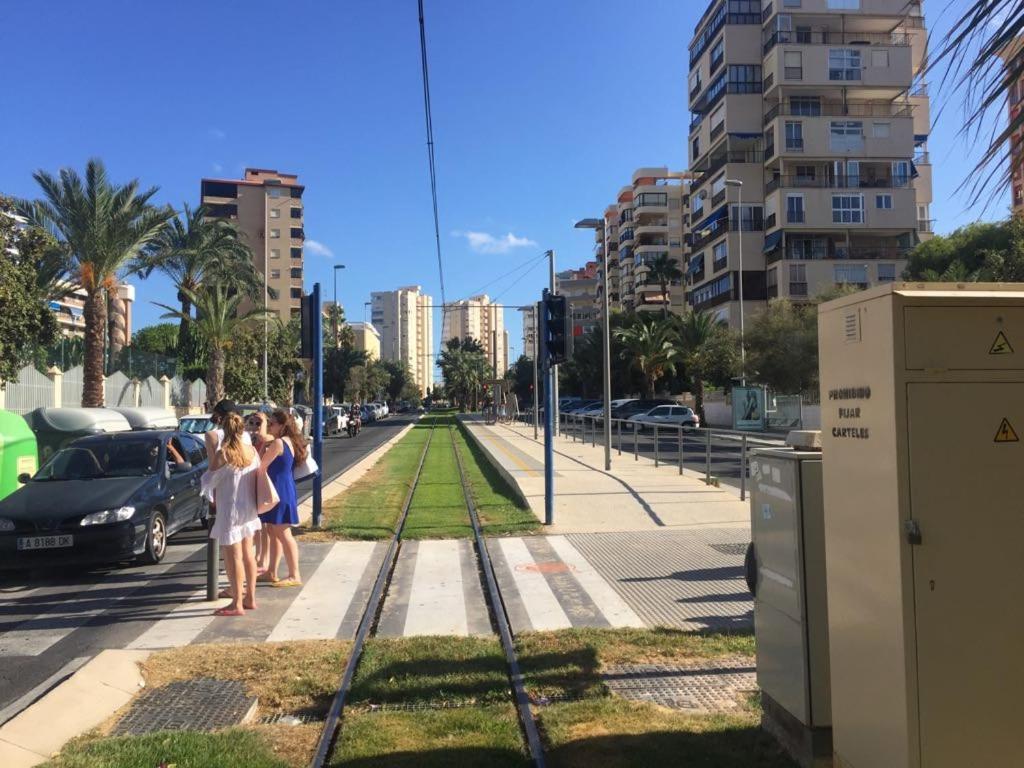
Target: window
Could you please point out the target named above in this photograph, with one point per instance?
(900, 173)
(718, 184)
(195, 449)
(696, 148)
(275, 274)
(880, 58)
(717, 53)
(809, 106)
(772, 278)
(881, 130)
(807, 248)
(794, 136)
(296, 273)
(846, 136)
(795, 209)
(793, 62)
(797, 279)
(856, 274)
(296, 213)
(296, 232)
(296, 192)
(844, 5)
(275, 253)
(275, 192)
(719, 253)
(296, 253)
(886, 273)
(219, 189)
(805, 174)
(221, 210)
(884, 202)
(717, 118)
(790, 3)
(747, 218)
(695, 83)
(275, 213)
(843, 64)
(698, 205)
(847, 209)
(296, 293)
(745, 78)
(275, 233)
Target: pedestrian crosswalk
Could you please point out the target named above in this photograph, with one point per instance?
(546, 583)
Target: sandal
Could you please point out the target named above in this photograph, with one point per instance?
(225, 594)
(266, 578)
(287, 583)
(228, 612)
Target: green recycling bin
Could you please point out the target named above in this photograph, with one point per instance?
(18, 452)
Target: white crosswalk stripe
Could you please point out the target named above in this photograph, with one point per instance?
(318, 610)
(34, 636)
(612, 606)
(181, 626)
(541, 605)
(437, 604)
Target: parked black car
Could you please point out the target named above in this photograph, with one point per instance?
(106, 499)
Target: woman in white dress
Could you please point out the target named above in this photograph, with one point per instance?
(232, 476)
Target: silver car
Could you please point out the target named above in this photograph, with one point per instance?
(666, 416)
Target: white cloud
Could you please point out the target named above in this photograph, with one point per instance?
(483, 242)
(318, 249)
(217, 133)
(217, 167)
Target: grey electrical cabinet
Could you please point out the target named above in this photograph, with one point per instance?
(786, 573)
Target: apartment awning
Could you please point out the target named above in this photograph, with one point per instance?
(920, 138)
(772, 241)
(716, 216)
(913, 170)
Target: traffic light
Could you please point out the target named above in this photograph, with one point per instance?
(557, 332)
(308, 327)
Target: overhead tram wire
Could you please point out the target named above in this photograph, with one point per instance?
(530, 262)
(430, 150)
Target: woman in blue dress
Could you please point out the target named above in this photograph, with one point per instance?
(279, 457)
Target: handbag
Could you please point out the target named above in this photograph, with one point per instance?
(306, 469)
(266, 493)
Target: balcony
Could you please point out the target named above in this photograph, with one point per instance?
(718, 198)
(838, 109)
(626, 236)
(840, 182)
(830, 37)
(651, 200)
(709, 166)
(926, 225)
(769, 221)
(721, 17)
(717, 130)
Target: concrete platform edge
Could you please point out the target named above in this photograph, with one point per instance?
(505, 474)
(85, 700)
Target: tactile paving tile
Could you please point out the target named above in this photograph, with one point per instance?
(691, 580)
(713, 686)
(203, 704)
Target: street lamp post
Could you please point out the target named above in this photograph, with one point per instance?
(606, 373)
(739, 205)
(337, 339)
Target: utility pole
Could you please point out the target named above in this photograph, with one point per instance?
(549, 412)
(536, 353)
(337, 309)
(552, 288)
(266, 295)
(317, 431)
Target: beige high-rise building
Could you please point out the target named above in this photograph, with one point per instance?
(405, 321)
(581, 287)
(644, 223)
(529, 337)
(266, 206)
(479, 318)
(367, 339)
(809, 144)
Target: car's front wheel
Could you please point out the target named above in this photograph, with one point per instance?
(156, 540)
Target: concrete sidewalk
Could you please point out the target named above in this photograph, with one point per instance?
(634, 496)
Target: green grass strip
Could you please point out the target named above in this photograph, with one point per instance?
(235, 748)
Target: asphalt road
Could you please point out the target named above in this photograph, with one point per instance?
(53, 622)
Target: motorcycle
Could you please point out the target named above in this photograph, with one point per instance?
(355, 422)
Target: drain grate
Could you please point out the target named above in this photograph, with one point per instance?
(739, 549)
(718, 685)
(203, 704)
(285, 719)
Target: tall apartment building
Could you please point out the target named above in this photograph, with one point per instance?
(479, 318)
(529, 337)
(580, 287)
(1015, 101)
(809, 144)
(266, 206)
(645, 222)
(367, 339)
(405, 320)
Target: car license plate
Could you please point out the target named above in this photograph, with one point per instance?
(46, 542)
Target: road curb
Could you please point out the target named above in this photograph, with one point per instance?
(507, 476)
(347, 478)
(90, 696)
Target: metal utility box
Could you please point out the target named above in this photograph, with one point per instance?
(922, 392)
(786, 572)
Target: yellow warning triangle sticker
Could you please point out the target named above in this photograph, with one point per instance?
(1001, 346)
(1006, 433)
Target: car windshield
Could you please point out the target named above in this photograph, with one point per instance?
(107, 458)
(197, 426)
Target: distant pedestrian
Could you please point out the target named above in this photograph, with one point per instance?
(232, 475)
(279, 459)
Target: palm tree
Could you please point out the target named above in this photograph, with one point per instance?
(194, 248)
(216, 319)
(698, 332)
(105, 227)
(662, 271)
(652, 347)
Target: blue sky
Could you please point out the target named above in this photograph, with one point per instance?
(542, 110)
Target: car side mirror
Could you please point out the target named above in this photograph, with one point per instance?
(180, 466)
(24, 477)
